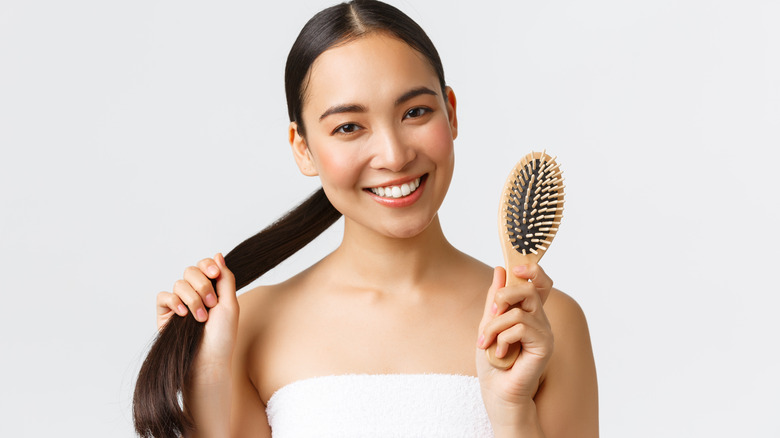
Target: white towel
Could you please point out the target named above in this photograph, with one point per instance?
(380, 405)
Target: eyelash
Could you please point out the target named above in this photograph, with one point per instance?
(340, 130)
(425, 110)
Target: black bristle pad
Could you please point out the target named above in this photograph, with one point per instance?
(534, 206)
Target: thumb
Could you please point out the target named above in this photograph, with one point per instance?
(499, 281)
(226, 282)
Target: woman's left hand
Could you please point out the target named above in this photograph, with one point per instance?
(514, 314)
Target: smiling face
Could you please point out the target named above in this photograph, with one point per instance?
(379, 133)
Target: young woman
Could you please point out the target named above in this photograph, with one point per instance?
(386, 335)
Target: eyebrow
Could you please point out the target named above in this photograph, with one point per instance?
(354, 108)
(338, 109)
(414, 93)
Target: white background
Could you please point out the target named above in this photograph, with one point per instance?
(138, 137)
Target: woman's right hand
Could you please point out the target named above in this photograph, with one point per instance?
(218, 309)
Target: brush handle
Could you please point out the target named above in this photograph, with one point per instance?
(511, 355)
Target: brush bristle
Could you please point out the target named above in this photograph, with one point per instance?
(534, 204)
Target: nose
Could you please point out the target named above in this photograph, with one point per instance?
(391, 151)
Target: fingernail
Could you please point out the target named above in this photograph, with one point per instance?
(521, 269)
(213, 271)
(494, 309)
(201, 315)
(182, 310)
(481, 340)
(211, 300)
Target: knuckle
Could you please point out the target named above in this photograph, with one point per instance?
(515, 313)
(501, 296)
(192, 301)
(180, 285)
(492, 328)
(202, 286)
(505, 337)
(514, 333)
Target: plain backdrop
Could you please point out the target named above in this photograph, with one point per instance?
(139, 137)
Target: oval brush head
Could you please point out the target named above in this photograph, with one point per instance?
(529, 214)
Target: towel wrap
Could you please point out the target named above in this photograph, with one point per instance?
(380, 405)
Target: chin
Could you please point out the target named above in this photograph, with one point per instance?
(409, 230)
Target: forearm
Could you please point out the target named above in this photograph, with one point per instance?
(207, 400)
(520, 422)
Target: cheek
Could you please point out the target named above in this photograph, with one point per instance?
(337, 168)
(438, 143)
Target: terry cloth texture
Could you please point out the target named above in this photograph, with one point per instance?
(382, 406)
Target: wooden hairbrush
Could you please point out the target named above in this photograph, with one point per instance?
(529, 214)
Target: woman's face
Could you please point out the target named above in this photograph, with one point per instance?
(379, 133)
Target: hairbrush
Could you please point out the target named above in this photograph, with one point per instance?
(529, 214)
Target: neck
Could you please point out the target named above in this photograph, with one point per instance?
(387, 263)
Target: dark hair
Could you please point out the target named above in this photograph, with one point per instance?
(156, 408)
(340, 24)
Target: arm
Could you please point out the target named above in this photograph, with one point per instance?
(219, 397)
(544, 394)
(567, 400)
(224, 401)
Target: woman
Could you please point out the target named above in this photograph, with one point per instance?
(378, 338)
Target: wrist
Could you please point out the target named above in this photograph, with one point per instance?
(210, 371)
(521, 420)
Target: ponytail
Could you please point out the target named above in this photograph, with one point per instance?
(156, 409)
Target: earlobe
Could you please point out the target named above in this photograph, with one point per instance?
(301, 152)
(452, 105)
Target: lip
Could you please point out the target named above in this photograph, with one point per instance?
(400, 202)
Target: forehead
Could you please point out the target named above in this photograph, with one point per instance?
(367, 70)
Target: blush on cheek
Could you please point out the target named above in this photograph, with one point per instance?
(338, 169)
(438, 142)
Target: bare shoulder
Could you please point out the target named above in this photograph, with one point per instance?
(570, 331)
(258, 307)
(569, 388)
(564, 313)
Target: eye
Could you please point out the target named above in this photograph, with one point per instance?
(347, 128)
(416, 112)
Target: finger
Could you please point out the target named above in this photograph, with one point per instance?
(533, 272)
(209, 267)
(202, 285)
(523, 295)
(499, 278)
(500, 323)
(510, 336)
(190, 297)
(168, 302)
(226, 282)
(516, 326)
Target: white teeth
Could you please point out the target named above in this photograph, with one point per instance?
(397, 191)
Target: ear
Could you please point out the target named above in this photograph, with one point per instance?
(301, 151)
(452, 105)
